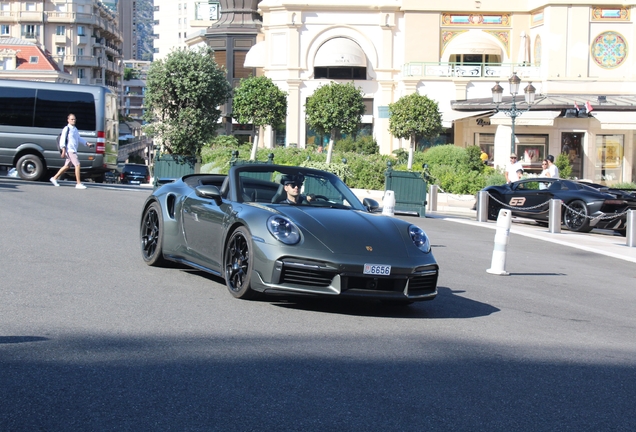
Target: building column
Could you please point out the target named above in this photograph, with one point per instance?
(294, 111)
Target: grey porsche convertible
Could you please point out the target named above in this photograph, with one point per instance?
(276, 229)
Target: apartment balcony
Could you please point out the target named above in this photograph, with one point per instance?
(69, 17)
(79, 61)
(82, 39)
(29, 16)
(97, 81)
(469, 70)
(8, 17)
(59, 39)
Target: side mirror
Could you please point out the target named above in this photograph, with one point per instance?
(210, 192)
(371, 204)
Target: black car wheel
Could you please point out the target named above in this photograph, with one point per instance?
(575, 217)
(493, 206)
(30, 167)
(238, 264)
(152, 236)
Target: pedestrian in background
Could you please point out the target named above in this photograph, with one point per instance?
(69, 141)
(512, 169)
(552, 168)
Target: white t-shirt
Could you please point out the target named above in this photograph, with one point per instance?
(512, 171)
(553, 170)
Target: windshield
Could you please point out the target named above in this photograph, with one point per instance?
(295, 186)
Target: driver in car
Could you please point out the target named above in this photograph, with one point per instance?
(292, 186)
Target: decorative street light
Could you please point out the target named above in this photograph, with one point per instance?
(513, 112)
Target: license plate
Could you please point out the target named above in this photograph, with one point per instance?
(135, 182)
(377, 269)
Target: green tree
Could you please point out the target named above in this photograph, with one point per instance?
(335, 108)
(563, 164)
(183, 94)
(259, 101)
(414, 116)
(130, 74)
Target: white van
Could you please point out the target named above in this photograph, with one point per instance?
(33, 114)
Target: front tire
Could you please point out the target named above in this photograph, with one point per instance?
(151, 236)
(30, 167)
(238, 264)
(575, 217)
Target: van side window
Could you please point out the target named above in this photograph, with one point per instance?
(16, 106)
(52, 108)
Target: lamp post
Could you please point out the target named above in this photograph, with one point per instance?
(513, 112)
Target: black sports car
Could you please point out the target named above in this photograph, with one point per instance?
(585, 205)
(279, 229)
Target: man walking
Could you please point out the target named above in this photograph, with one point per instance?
(69, 141)
(512, 170)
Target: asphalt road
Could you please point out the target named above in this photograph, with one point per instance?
(93, 339)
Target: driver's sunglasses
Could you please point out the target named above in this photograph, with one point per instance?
(294, 185)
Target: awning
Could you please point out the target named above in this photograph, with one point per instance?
(340, 52)
(448, 117)
(616, 119)
(472, 42)
(255, 57)
(528, 118)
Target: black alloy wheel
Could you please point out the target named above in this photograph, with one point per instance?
(238, 264)
(575, 217)
(151, 236)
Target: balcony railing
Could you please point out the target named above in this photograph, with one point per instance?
(72, 17)
(73, 60)
(469, 70)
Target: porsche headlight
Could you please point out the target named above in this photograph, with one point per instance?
(283, 229)
(420, 239)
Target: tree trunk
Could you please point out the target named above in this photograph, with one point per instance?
(411, 150)
(255, 146)
(331, 140)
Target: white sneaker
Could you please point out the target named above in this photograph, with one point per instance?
(55, 183)
(80, 186)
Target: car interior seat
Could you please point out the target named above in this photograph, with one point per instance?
(280, 195)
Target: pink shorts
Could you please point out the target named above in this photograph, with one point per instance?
(71, 158)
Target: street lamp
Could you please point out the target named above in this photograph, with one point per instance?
(513, 112)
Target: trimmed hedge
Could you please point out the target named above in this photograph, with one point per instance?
(455, 169)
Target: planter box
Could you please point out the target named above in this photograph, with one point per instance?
(169, 166)
(410, 191)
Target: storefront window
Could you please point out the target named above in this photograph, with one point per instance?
(531, 151)
(609, 159)
(486, 143)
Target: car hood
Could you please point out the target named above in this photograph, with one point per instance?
(351, 231)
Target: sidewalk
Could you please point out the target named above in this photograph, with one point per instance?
(604, 242)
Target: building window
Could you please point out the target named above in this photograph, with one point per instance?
(81, 31)
(33, 59)
(30, 31)
(61, 50)
(609, 159)
(80, 51)
(5, 30)
(5, 7)
(81, 73)
(60, 30)
(30, 7)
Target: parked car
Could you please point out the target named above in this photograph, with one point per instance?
(134, 174)
(586, 205)
(111, 177)
(242, 228)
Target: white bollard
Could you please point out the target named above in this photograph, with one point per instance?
(502, 236)
(388, 203)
